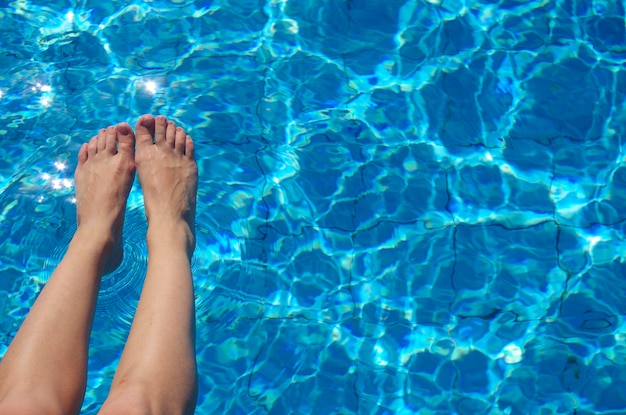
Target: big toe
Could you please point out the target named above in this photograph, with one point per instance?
(145, 130)
(125, 138)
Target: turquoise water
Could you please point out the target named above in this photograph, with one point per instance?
(405, 206)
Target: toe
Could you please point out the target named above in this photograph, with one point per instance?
(125, 138)
(181, 139)
(159, 130)
(189, 148)
(93, 144)
(110, 145)
(83, 153)
(145, 130)
(170, 134)
(102, 139)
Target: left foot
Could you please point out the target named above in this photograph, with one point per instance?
(103, 178)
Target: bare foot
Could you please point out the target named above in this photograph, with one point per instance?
(104, 176)
(169, 177)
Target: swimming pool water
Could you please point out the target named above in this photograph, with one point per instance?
(405, 206)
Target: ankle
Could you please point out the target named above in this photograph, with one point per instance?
(171, 235)
(97, 237)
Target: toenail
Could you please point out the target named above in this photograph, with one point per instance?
(160, 118)
(179, 129)
(111, 128)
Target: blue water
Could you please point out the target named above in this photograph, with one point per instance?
(405, 206)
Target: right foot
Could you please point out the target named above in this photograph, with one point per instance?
(168, 174)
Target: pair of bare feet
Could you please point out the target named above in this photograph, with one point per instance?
(163, 156)
(44, 369)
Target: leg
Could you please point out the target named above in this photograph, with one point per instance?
(157, 371)
(45, 368)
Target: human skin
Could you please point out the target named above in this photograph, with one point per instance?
(44, 369)
(157, 373)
